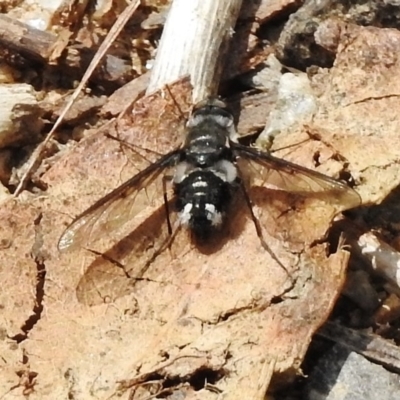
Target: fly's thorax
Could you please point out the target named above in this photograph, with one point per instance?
(205, 144)
(209, 131)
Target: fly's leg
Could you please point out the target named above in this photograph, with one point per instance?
(165, 180)
(259, 232)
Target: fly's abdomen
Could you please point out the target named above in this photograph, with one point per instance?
(202, 200)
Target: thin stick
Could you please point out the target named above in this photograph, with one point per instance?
(35, 159)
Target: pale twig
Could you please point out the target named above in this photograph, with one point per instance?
(35, 158)
(385, 260)
(194, 42)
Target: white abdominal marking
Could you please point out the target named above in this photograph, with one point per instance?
(225, 170)
(213, 215)
(200, 184)
(186, 214)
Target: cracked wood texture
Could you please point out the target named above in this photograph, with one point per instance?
(206, 321)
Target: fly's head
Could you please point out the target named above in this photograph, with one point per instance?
(212, 113)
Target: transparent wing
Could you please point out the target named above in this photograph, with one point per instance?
(115, 273)
(119, 206)
(262, 169)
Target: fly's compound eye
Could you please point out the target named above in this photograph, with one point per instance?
(210, 102)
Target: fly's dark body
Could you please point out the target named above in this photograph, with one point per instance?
(206, 175)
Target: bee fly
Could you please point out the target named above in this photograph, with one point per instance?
(205, 173)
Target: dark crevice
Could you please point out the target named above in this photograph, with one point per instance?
(277, 300)
(316, 158)
(27, 378)
(70, 378)
(38, 308)
(346, 176)
(320, 241)
(204, 376)
(29, 381)
(255, 307)
(225, 316)
(40, 280)
(200, 379)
